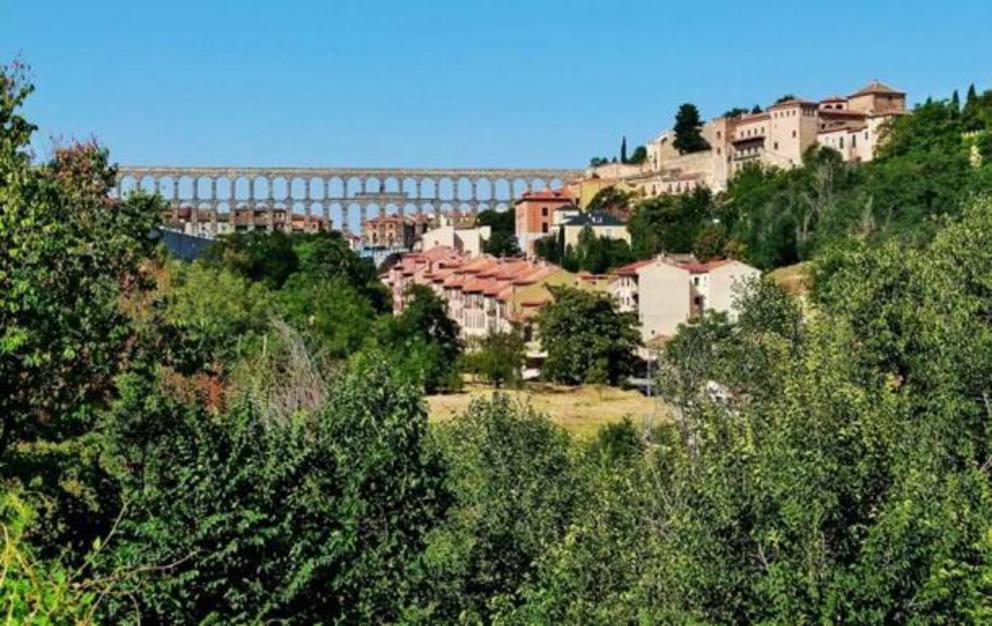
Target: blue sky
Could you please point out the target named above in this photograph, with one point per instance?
(455, 83)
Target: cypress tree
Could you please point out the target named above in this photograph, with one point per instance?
(970, 113)
(623, 150)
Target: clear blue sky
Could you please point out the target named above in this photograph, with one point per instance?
(455, 83)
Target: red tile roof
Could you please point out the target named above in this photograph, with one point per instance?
(631, 268)
(876, 87)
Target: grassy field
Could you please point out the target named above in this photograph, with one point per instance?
(580, 410)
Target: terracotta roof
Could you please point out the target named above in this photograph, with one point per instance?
(702, 268)
(875, 87)
(834, 99)
(631, 268)
(545, 194)
(792, 102)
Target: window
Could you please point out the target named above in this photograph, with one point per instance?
(717, 134)
(793, 134)
(695, 281)
(544, 227)
(718, 151)
(854, 141)
(776, 145)
(842, 143)
(544, 211)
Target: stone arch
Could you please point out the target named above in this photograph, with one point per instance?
(447, 189)
(463, 189)
(261, 189)
(203, 188)
(502, 189)
(353, 185)
(184, 187)
(335, 187)
(484, 189)
(297, 188)
(408, 187)
(317, 189)
(224, 188)
(538, 184)
(280, 188)
(242, 190)
(373, 184)
(428, 189)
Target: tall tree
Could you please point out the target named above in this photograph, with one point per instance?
(623, 150)
(688, 127)
(587, 339)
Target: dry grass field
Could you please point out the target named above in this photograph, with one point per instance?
(580, 410)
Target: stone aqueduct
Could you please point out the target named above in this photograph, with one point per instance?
(343, 197)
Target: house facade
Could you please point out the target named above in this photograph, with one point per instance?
(670, 290)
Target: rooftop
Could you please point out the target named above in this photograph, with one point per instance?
(593, 219)
(876, 87)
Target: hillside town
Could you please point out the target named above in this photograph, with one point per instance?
(485, 294)
(391, 317)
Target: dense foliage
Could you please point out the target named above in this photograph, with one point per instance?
(244, 440)
(593, 253)
(503, 236)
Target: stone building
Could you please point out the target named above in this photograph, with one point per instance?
(777, 137)
(395, 230)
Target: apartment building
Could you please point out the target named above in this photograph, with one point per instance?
(669, 290)
(468, 241)
(483, 294)
(535, 215)
(204, 223)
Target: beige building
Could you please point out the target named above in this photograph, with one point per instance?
(467, 241)
(669, 290)
(776, 137)
(602, 225)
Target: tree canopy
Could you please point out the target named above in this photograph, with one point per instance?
(688, 130)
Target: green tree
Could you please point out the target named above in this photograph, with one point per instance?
(669, 223)
(513, 478)
(262, 256)
(498, 359)
(586, 338)
(502, 239)
(70, 262)
(238, 519)
(611, 201)
(422, 340)
(333, 314)
(688, 127)
(639, 156)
